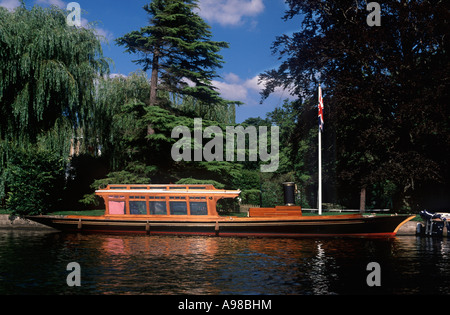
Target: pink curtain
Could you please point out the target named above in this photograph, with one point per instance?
(116, 207)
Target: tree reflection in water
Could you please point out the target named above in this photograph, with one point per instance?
(170, 265)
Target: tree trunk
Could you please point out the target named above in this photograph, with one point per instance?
(154, 78)
(362, 199)
(153, 86)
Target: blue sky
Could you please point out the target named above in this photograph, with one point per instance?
(249, 26)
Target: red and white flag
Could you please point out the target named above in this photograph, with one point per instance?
(320, 109)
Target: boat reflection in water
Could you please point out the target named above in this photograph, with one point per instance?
(191, 210)
(35, 263)
(205, 265)
(164, 264)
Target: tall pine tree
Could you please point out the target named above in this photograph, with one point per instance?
(178, 49)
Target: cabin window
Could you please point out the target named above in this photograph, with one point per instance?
(138, 207)
(158, 207)
(116, 207)
(198, 208)
(137, 197)
(178, 208)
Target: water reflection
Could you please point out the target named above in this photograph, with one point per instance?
(35, 263)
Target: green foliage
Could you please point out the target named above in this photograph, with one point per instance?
(47, 89)
(193, 181)
(47, 71)
(133, 131)
(36, 182)
(223, 112)
(247, 179)
(121, 177)
(375, 81)
(250, 196)
(134, 173)
(272, 188)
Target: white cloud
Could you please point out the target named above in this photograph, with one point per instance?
(254, 84)
(230, 12)
(117, 75)
(247, 91)
(58, 3)
(10, 4)
(232, 78)
(231, 91)
(236, 89)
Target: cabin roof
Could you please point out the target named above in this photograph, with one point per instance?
(166, 189)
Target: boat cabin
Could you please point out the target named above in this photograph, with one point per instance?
(163, 200)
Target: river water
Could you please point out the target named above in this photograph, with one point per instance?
(36, 263)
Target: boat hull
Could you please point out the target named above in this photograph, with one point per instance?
(314, 226)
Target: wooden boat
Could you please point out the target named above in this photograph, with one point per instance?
(191, 210)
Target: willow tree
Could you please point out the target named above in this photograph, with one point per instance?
(47, 82)
(178, 49)
(47, 72)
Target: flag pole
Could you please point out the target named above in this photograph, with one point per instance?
(320, 173)
(319, 194)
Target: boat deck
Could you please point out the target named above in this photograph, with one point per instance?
(191, 210)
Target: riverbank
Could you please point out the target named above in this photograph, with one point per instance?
(409, 228)
(21, 224)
